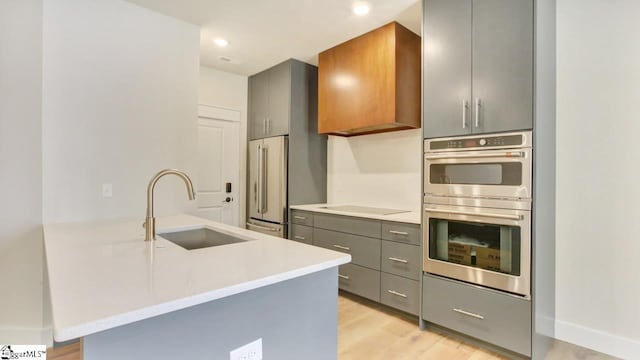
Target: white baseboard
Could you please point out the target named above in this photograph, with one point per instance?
(26, 336)
(597, 340)
(545, 326)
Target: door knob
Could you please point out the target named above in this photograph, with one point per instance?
(228, 199)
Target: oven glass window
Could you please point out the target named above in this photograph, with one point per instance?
(487, 246)
(477, 174)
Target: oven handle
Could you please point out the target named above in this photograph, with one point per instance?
(506, 154)
(487, 215)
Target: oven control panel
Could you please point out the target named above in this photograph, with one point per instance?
(477, 142)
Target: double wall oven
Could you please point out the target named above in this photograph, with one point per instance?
(477, 210)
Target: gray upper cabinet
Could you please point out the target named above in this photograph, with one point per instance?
(270, 102)
(279, 99)
(258, 105)
(447, 68)
(502, 65)
(478, 66)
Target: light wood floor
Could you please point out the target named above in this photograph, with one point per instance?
(368, 331)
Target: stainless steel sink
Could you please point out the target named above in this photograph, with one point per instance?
(199, 238)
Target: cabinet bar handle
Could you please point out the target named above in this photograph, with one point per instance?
(465, 105)
(342, 247)
(343, 277)
(477, 112)
(299, 217)
(397, 293)
(264, 126)
(299, 237)
(399, 260)
(398, 232)
(469, 314)
(268, 125)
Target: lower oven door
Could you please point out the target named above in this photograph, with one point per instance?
(483, 246)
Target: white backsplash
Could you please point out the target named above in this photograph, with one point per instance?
(380, 170)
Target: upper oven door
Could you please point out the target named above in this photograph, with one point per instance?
(504, 174)
(485, 246)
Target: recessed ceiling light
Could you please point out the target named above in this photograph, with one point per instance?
(361, 9)
(221, 42)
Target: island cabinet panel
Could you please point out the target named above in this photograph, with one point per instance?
(212, 329)
(360, 280)
(370, 83)
(301, 233)
(364, 251)
(488, 315)
(400, 293)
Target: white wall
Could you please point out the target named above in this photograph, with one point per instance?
(598, 172)
(230, 91)
(20, 160)
(119, 103)
(223, 89)
(380, 170)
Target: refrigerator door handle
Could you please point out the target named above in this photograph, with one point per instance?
(259, 181)
(263, 174)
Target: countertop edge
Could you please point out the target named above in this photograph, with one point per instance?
(406, 218)
(92, 327)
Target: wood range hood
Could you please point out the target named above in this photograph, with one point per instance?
(371, 83)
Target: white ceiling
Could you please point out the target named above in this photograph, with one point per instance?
(262, 33)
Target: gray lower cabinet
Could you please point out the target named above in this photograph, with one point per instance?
(400, 293)
(385, 255)
(488, 315)
(302, 217)
(401, 232)
(360, 280)
(348, 224)
(365, 251)
(301, 233)
(401, 259)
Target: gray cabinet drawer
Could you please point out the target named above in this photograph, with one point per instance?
(400, 293)
(488, 315)
(301, 233)
(364, 251)
(348, 224)
(401, 259)
(360, 281)
(401, 232)
(302, 217)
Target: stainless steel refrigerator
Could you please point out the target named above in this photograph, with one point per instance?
(268, 185)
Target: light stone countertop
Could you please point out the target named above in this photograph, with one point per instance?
(103, 274)
(411, 217)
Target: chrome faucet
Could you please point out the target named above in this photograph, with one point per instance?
(150, 222)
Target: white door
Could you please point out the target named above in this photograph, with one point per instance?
(218, 169)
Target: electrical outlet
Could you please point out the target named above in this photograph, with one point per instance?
(251, 351)
(107, 190)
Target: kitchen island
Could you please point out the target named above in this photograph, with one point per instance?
(135, 299)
